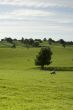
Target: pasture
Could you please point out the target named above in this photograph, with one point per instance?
(23, 86)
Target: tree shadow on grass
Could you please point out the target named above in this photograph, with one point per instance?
(54, 68)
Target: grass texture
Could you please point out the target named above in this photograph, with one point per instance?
(25, 87)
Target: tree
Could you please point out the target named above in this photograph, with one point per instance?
(9, 40)
(39, 40)
(63, 42)
(44, 39)
(26, 42)
(22, 40)
(14, 45)
(50, 41)
(31, 41)
(36, 44)
(43, 57)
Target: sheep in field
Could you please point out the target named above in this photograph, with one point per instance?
(53, 72)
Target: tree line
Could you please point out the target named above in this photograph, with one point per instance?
(36, 42)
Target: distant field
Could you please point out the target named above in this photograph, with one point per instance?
(24, 87)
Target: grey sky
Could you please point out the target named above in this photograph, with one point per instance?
(36, 18)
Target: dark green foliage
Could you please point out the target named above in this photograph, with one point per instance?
(44, 39)
(13, 46)
(50, 41)
(26, 42)
(39, 40)
(22, 40)
(36, 44)
(9, 40)
(31, 41)
(43, 57)
(62, 42)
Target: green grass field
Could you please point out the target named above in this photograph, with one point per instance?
(25, 87)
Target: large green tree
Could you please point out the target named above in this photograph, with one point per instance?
(43, 57)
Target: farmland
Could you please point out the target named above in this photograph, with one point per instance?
(23, 86)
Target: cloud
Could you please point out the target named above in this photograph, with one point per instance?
(31, 12)
(35, 10)
(39, 3)
(22, 14)
(48, 16)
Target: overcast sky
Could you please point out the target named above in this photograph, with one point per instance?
(36, 19)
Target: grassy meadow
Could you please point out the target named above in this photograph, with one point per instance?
(23, 86)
